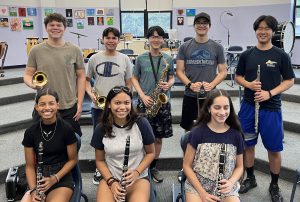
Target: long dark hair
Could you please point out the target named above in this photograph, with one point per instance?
(205, 116)
(45, 91)
(106, 119)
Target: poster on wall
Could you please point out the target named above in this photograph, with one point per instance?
(190, 20)
(79, 14)
(109, 12)
(190, 12)
(22, 12)
(90, 12)
(31, 11)
(4, 11)
(13, 11)
(4, 22)
(69, 13)
(80, 25)
(100, 21)
(69, 22)
(27, 24)
(180, 20)
(15, 24)
(48, 11)
(100, 12)
(180, 12)
(110, 21)
(91, 20)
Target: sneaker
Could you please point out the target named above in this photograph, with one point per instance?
(275, 193)
(247, 184)
(97, 177)
(156, 177)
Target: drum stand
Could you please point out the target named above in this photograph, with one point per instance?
(78, 37)
(3, 52)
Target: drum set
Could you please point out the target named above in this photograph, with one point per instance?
(3, 52)
(32, 41)
(284, 36)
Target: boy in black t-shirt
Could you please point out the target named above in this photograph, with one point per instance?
(275, 76)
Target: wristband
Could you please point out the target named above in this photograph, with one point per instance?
(109, 179)
(56, 177)
(137, 172)
(270, 94)
(112, 181)
(189, 85)
(32, 190)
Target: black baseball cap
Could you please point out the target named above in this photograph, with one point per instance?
(202, 15)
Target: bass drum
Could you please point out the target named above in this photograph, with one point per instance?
(284, 36)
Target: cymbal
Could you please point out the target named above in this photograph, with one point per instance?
(78, 34)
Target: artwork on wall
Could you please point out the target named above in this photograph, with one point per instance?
(4, 11)
(180, 12)
(91, 20)
(79, 14)
(100, 12)
(15, 24)
(69, 13)
(27, 24)
(190, 20)
(100, 21)
(4, 22)
(109, 12)
(48, 11)
(22, 12)
(13, 11)
(110, 21)
(69, 22)
(180, 20)
(80, 25)
(31, 11)
(90, 12)
(190, 12)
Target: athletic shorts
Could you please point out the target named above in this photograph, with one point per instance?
(189, 111)
(270, 127)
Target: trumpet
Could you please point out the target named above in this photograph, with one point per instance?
(40, 79)
(100, 100)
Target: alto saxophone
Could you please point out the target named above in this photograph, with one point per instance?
(221, 174)
(39, 172)
(257, 106)
(100, 100)
(157, 95)
(125, 164)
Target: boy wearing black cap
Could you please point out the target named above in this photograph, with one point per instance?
(201, 67)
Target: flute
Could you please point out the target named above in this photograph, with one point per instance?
(257, 104)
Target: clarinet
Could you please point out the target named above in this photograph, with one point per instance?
(39, 172)
(257, 104)
(222, 161)
(125, 164)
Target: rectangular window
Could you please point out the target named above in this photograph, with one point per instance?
(297, 18)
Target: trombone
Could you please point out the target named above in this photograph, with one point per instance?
(100, 100)
(40, 79)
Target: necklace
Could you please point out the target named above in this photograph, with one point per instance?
(47, 136)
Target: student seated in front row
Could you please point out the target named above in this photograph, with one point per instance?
(213, 161)
(58, 152)
(119, 121)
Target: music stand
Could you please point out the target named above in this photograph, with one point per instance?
(228, 35)
(78, 36)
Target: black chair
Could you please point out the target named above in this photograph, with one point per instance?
(296, 182)
(126, 51)
(187, 38)
(76, 174)
(232, 58)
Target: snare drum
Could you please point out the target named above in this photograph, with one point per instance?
(30, 42)
(284, 36)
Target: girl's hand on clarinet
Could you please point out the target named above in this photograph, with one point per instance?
(130, 177)
(117, 191)
(226, 186)
(206, 197)
(46, 183)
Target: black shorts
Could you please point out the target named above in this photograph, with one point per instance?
(162, 122)
(190, 111)
(66, 181)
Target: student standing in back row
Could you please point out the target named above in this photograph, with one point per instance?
(201, 67)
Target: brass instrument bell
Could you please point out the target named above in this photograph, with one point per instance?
(100, 100)
(40, 79)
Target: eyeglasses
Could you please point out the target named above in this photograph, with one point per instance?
(203, 24)
(156, 37)
(264, 28)
(118, 89)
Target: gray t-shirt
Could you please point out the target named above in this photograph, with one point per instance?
(200, 61)
(60, 65)
(143, 70)
(108, 71)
